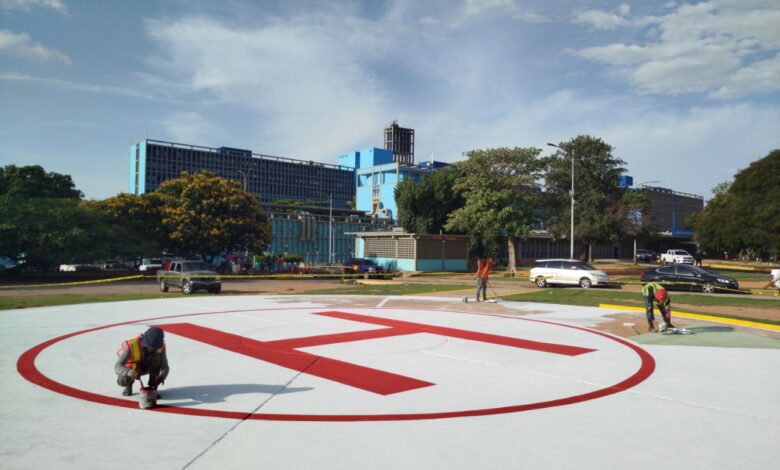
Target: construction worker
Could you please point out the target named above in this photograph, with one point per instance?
(483, 272)
(142, 355)
(654, 293)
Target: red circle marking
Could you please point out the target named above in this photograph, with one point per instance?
(26, 367)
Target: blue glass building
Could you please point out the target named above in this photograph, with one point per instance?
(269, 178)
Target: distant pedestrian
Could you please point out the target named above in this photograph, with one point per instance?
(697, 257)
(280, 263)
(483, 272)
(269, 263)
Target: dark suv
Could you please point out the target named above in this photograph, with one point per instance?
(683, 277)
(362, 266)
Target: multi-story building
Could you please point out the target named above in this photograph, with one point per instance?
(377, 175)
(400, 141)
(269, 178)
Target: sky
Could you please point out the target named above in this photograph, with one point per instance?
(688, 93)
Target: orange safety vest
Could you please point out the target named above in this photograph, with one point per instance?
(483, 268)
(134, 344)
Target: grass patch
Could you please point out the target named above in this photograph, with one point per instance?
(392, 289)
(593, 298)
(53, 300)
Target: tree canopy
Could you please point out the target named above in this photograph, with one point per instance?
(744, 216)
(424, 207)
(204, 214)
(499, 187)
(602, 210)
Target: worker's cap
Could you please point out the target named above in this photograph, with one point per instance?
(153, 338)
(660, 295)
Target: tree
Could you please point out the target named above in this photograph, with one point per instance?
(744, 216)
(27, 182)
(43, 221)
(135, 224)
(424, 206)
(500, 193)
(204, 214)
(600, 211)
(46, 232)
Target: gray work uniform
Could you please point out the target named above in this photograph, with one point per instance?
(153, 364)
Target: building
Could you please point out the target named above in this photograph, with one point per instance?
(318, 235)
(400, 141)
(269, 178)
(377, 175)
(669, 209)
(400, 251)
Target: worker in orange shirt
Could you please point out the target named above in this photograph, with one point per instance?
(483, 272)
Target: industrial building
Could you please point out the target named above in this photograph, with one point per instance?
(400, 141)
(267, 177)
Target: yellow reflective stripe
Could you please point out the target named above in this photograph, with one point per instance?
(135, 351)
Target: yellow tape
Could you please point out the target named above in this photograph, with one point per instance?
(698, 316)
(97, 281)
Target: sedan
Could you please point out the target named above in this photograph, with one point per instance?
(684, 277)
(646, 256)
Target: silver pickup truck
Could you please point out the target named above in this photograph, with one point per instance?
(189, 276)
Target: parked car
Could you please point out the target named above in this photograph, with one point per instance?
(566, 271)
(189, 275)
(646, 256)
(690, 278)
(774, 278)
(362, 266)
(150, 264)
(676, 257)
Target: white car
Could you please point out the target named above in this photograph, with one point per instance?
(150, 264)
(566, 271)
(775, 277)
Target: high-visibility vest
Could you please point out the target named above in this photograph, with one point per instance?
(136, 355)
(483, 268)
(656, 287)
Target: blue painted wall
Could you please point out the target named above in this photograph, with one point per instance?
(142, 169)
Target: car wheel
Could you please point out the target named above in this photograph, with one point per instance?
(186, 287)
(541, 282)
(585, 283)
(708, 288)
(163, 286)
(215, 290)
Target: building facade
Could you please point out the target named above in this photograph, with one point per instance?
(267, 177)
(399, 251)
(400, 141)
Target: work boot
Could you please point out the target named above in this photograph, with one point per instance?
(670, 325)
(128, 390)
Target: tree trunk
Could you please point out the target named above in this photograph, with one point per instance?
(511, 266)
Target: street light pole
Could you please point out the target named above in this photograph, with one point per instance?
(243, 176)
(571, 194)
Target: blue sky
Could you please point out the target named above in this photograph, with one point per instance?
(688, 93)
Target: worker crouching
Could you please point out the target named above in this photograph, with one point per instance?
(655, 294)
(142, 355)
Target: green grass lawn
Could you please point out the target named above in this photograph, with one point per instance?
(389, 289)
(52, 300)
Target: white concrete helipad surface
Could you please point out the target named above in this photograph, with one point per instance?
(360, 382)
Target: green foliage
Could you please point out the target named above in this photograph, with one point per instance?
(135, 224)
(292, 258)
(46, 232)
(602, 211)
(205, 214)
(425, 206)
(745, 215)
(43, 221)
(500, 194)
(27, 182)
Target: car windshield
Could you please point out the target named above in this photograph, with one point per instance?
(197, 266)
(698, 270)
(583, 266)
(681, 252)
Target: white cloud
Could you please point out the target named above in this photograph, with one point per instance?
(76, 86)
(23, 46)
(725, 48)
(58, 5)
(190, 127)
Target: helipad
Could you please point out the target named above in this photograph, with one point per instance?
(305, 382)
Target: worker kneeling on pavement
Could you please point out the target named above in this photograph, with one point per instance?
(655, 294)
(142, 355)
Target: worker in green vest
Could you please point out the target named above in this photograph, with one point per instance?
(654, 294)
